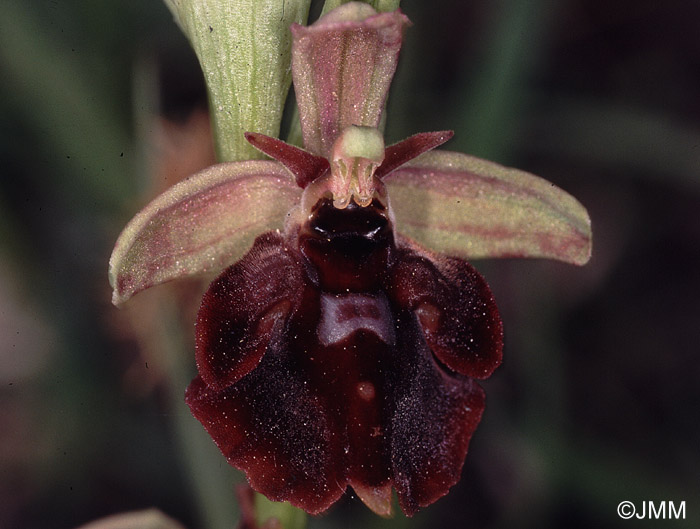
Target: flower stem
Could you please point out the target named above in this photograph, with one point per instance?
(244, 50)
(212, 480)
(289, 516)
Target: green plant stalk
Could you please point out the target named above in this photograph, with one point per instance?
(289, 516)
(498, 94)
(212, 481)
(244, 49)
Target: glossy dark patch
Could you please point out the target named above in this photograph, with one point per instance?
(350, 248)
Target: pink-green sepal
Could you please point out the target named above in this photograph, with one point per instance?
(204, 223)
(464, 206)
(342, 67)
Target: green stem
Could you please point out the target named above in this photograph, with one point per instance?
(244, 49)
(498, 94)
(211, 478)
(289, 516)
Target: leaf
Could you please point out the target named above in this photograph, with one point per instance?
(464, 206)
(203, 223)
(244, 49)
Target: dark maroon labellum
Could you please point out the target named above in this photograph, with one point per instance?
(338, 357)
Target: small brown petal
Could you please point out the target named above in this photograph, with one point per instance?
(305, 166)
(404, 151)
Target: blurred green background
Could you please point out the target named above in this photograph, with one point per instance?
(598, 399)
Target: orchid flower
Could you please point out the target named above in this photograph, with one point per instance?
(341, 344)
